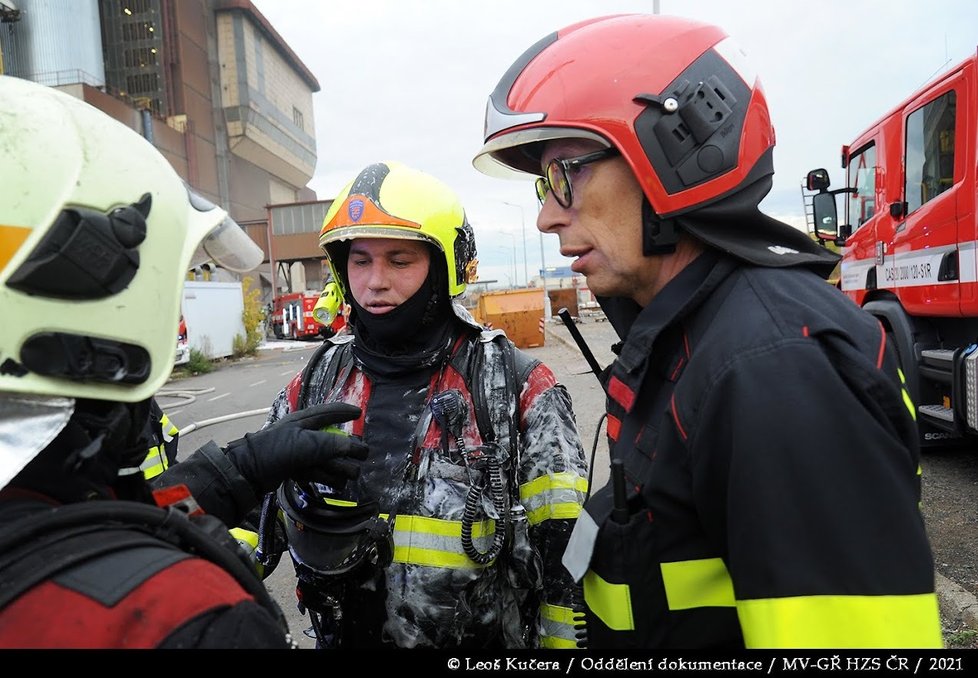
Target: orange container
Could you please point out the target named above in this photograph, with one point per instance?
(564, 297)
(517, 312)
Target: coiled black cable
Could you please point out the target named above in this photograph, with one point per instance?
(497, 490)
(578, 616)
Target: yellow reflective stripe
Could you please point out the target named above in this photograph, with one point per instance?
(553, 481)
(154, 464)
(906, 396)
(842, 622)
(417, 555)
(553, 496)
(909, 403)
(553, 512)
(697, 583)
(557, 613)
(611, 603)
(247, 536)
(438, 542)
(433, 542)
(557, 624)
(444, 528)
(339, 502)
(169, 430)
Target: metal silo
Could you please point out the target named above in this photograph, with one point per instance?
(55, 42)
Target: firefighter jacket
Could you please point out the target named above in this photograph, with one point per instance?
(771, 481)
(433, 594)
(114, 582)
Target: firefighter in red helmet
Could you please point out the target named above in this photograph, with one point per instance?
(757, 420)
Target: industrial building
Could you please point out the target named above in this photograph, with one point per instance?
(212, 85)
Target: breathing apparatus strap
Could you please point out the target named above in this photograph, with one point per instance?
(341, 358)
(54, 540)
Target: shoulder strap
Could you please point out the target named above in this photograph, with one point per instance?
(53, 540)
(495, 389)
(342, 358)
(27, 565)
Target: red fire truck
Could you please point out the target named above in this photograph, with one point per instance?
(292, 316)
(909, 235)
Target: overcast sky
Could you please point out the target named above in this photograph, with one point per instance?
(408, 80)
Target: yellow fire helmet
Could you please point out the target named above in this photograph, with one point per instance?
(329, 304)
(392, 200)
(97, 232)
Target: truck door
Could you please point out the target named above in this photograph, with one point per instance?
(863, 256)
(931, 258)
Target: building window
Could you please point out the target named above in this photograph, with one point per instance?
(297, 118)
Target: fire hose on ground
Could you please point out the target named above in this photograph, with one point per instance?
(188, 396)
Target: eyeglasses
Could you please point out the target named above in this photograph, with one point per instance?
(557, 181)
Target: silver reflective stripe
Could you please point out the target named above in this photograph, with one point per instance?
(28, 424)
(153, 465)
(433, 542)
(169, 430)
(557, 622)
(497, 120)
(580, 547)
(553, 496)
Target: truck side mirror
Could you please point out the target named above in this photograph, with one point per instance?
(817, 180)
(826, 216)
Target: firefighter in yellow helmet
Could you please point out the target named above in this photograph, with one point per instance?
(96, 233)
(452, 534)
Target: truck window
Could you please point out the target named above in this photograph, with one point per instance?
(930, 151)
(862, 176)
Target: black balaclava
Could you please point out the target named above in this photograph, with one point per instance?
(415, 334)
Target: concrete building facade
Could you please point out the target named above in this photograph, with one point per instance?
(210, 83)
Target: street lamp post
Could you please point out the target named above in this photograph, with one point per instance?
(526, 274)
(547, 311)
(514, 281)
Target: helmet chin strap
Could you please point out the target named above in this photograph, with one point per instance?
(659, 236)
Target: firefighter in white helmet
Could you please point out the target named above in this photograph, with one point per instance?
(97, 232)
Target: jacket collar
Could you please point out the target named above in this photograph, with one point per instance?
(681, 296)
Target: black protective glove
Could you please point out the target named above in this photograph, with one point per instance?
(296, 447)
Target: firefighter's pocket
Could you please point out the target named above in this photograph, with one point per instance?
(623, 572)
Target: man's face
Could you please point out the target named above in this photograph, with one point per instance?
(385, 272)
(602, 228)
